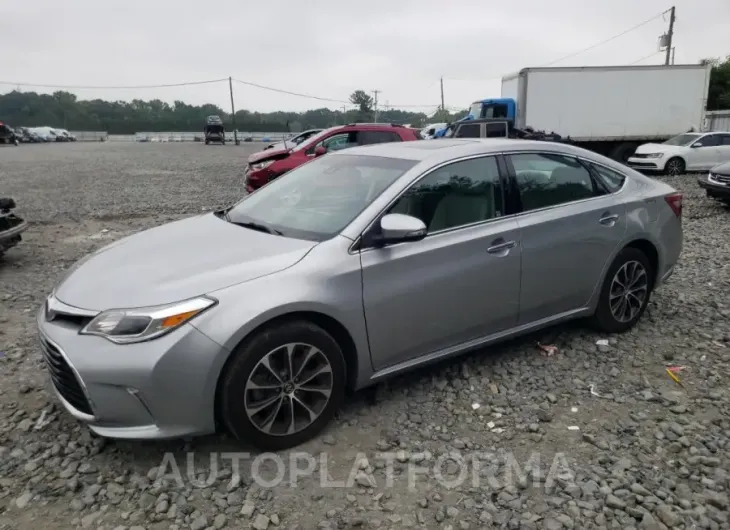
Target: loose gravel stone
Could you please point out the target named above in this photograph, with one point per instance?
(540, 451)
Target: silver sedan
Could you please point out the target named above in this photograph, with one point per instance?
(354, 267)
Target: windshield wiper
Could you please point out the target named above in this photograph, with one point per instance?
(257, 226)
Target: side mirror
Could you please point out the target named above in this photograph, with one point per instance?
(320, 150)
(697, 144)
(399, 228)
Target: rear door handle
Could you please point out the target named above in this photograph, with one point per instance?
(500, 246)
(609, 220)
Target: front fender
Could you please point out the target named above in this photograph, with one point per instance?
(331, 287)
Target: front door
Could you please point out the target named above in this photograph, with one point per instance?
(570, 227)
(704, 153)
(460, 283)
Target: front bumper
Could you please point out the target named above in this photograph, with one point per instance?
(163, 388)
(646, 164)
(714, 189)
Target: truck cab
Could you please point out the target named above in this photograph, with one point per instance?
(491, 108)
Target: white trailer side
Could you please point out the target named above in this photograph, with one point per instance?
(610, 105)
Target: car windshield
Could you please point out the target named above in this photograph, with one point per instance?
(682, 139)
(315, 138)
(476, 109)
(318, 199)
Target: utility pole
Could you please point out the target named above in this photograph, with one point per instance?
(443, 107)
(375, 105)
(344, 115)
(670, 34)
(233, 112)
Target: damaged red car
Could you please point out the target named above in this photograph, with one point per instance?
(266, 165)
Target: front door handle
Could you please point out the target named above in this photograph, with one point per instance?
(609, 220)
(500, 246)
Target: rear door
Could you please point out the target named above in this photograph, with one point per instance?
(570, 226)
(724, 148)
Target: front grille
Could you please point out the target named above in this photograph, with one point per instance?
(64, 379)
(639, 155)
(723, 179)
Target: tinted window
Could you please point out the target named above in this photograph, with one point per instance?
(472, 130)
(611, 179)
(376, 137)
(548, 180)
(711, 140)
(725, 139)
(320, 198)
(496, 130)
(455, 195)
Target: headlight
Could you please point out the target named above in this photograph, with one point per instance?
(654, 155)
(124, 326)
(262, 165)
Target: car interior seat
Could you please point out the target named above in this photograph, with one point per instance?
(460, 208)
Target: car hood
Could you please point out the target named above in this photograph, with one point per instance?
(722, 169)
(274, 152)
(658, 148)
(176, 261)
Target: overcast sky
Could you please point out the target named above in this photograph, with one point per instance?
(329, 48)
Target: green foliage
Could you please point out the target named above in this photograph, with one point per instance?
(719, 94)
(63, 109)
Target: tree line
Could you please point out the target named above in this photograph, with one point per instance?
(63, 109)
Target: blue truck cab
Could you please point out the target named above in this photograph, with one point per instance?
(504, 108)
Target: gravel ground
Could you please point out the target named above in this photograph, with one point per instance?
(596, 436)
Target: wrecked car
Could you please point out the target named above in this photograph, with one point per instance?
(11, 225)
(7, 134)
(214, 130)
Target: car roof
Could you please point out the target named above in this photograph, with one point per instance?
(443, 150)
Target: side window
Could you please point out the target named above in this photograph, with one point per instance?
(496, 130)
(336, 142)
(546, 179)
(376, 137)
(459, 194)
(711, 140)
(611, 179)
(725, 139)
(472, 130)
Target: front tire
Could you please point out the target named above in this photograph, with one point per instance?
(675, 167)
(283, 385)
(625, 292)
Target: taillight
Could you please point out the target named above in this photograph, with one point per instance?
(674, 200)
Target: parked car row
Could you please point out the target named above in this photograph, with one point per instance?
(31, 135)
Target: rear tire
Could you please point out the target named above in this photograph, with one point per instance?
(625, 292)
(257, 401)
(675, 167)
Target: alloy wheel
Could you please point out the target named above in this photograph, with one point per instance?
(629, 289)
(288, 389)
(674, 168)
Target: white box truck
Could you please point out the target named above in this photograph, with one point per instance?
(610, 109)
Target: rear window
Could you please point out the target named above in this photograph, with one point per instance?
(472, 130)
(613, 180)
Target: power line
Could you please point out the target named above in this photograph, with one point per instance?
(282, 91)
(646, 57)
(608, 40)
(125, 87)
